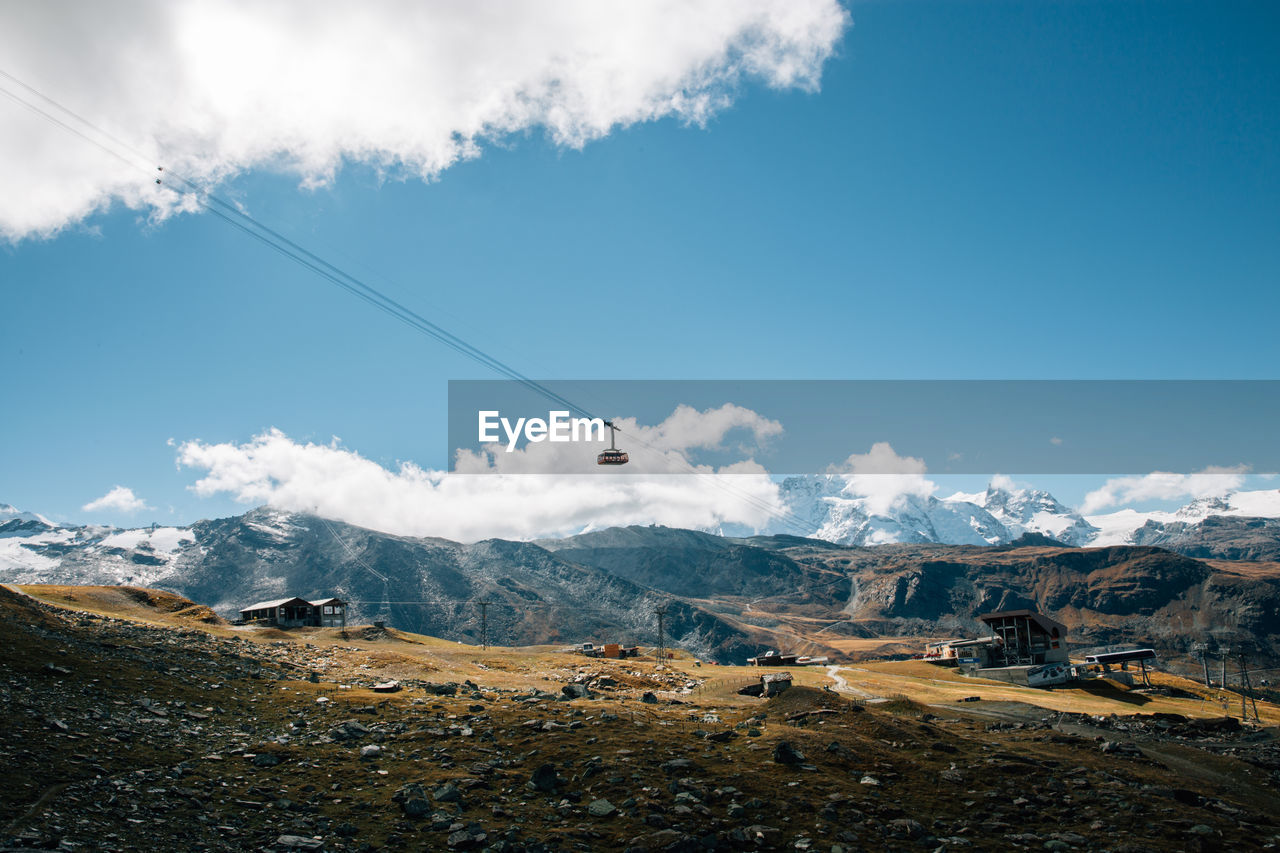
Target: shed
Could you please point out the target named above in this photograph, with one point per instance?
(330, 613)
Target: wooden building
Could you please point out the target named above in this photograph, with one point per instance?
(297, 613)
(331, 612)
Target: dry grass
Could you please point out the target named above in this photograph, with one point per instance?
(935, 685)
(1245, 569)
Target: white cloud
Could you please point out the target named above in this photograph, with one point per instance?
(335, 482)
(211, 89)
(883, 478)
(119, 499)
(689, 429)
(1213, 481)
(1004, 483)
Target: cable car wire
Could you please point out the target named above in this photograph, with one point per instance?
(247, 224)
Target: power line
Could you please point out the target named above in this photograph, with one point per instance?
(247, 224)
(233, 215)
(352, 553)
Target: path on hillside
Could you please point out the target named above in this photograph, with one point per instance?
(843, 686)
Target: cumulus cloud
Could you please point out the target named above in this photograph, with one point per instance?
(1213, 481)
(688, 428)
(119, 499)
(883, 478)
(1004, 483)
(335, 482)
(211, 89)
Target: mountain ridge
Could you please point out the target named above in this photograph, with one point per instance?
(725, 597)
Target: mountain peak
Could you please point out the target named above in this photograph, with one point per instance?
(995, 517)
(9, 512)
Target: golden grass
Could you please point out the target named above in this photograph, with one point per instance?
(404, 655)
(936, 685)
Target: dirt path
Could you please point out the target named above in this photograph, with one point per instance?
(843, 686)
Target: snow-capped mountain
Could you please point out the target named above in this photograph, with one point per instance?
(1127, 526)
(993, 517)
(9, 513)
(31, 547)
(1036, 511)
(1001, 514)
(1239, 525)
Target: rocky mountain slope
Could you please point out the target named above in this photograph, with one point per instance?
(1217, 537)
(726, 598)
(428, 586)
(699, 565)
(206, 738)
(1121, 594)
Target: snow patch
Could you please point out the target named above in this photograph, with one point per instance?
(165, 540)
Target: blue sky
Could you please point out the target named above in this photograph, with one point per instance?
(977, 190)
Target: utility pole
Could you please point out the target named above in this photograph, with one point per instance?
(484, 624)
(1203, 650)
(661, 613)
(1224, 652)
(1246, 686)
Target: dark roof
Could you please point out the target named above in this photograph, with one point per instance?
(271, 605)
(1049, 626)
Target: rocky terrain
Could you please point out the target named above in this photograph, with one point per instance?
(1113, 595)
(1219, 537)
(177, 733)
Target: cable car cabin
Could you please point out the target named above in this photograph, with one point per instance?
(612, 456)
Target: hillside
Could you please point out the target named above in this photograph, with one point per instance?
(1104, 595)
(691, 564)
(243, 739)
(1218, 537)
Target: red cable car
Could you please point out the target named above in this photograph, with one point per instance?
(612, 456)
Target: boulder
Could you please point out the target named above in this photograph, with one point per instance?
(545, 779)
(785, 753)
(576, 691)
(601, 808)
